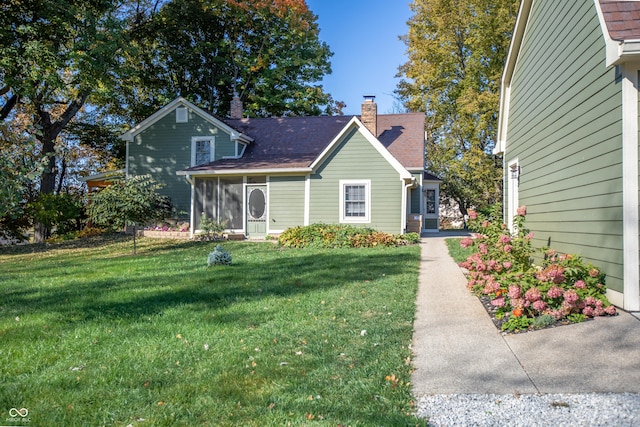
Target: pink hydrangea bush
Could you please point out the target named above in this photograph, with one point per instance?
(502, 268)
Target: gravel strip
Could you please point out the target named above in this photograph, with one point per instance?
(593, 409)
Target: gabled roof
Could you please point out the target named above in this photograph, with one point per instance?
(403, 135)
(620, 22)
(622, 19)
(294, 144)
(181, 102)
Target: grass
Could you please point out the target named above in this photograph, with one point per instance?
(458, 253)
(92, 335)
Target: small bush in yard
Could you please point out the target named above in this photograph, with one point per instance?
(502, 269)
(219, 257)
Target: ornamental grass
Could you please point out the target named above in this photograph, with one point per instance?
(501, 269)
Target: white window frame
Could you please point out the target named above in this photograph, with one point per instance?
(367, 206)
(194, 143)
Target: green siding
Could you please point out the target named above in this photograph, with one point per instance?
(565, 130)
(286, 202)
(355, 158)
(165, 147)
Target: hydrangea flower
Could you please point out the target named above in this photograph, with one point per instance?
(533, 294)
(514, 292)
(571, 296)
(504, 239)
(539, 305)
(555, 292)
(466, 242)
(498, 302)
(580, 284)
(522, 211)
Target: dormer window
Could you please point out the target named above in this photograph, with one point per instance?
(202, 150)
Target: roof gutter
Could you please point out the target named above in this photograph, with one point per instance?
(217, 172)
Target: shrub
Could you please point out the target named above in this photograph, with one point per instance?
(219, 257)
(563, 286)
(210, 229)
(340, 236)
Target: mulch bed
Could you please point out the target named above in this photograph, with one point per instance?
(491, 311)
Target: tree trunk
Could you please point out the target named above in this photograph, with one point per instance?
(50, 131)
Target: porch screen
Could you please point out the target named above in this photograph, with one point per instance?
(230, 207)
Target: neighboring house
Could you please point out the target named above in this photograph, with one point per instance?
(261, 176)
(103, 179)
(568, 132)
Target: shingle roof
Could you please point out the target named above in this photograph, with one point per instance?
(403, 136)
(622, 19)
(295, 142)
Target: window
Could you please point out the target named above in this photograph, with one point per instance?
(355, 199)
(431, 201)
(182, 115)
(202, 150)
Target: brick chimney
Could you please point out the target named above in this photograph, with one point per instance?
(369, 115)
(236, 107)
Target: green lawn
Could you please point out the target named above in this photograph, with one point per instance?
(92, 335)
(457, 252)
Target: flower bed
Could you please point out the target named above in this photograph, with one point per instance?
(520, 295)
(180, 231)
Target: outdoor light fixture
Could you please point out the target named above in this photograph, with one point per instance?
(515, 171)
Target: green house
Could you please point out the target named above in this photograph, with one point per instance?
(568, 132)
(260, 176)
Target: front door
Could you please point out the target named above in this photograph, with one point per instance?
(256, 210)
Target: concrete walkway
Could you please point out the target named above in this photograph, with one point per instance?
(458, 350)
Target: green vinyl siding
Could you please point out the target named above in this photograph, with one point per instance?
(564, 128)
(164, 148)
(354, 158)
(286, 202)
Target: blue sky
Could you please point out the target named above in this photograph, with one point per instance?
(363, 35)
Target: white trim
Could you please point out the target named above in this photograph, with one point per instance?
(367, 206)
(149, 121)
(192, 223)
(631, 245)
(212, 148)
(509, 68)
(616, 298)
(273, 171)
(307, 199)
(512, 193)
(617, 51)
(355, 122)
(404, 212)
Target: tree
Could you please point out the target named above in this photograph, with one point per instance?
(18, 170)
(457, 50)
(266, 51)
(54, 57)
(129, 202)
